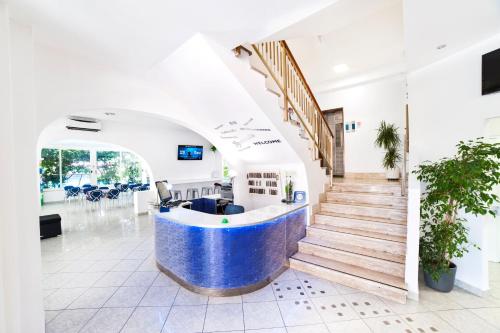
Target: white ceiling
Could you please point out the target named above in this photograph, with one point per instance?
(367, 38)
(381, 38)
(456, 23)
(136, 118)
(135, 34)
(370, 36)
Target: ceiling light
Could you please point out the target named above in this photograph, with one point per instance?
(340, 68)
(440, 47)
(110, 113)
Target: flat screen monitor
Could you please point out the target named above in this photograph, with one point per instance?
(491, 72)
(189, 153)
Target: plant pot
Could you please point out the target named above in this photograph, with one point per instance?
(392, 174)
(446, 281)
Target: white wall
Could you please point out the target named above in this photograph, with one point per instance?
(297, 150)
(446, 106)
(21, 308)
(368, 103)
(156, 145)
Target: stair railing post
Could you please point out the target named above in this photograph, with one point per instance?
(285, 81)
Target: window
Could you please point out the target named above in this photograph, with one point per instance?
(75, 166)
(50, 169)
(108, 167)
(60, 168)
(131, 168)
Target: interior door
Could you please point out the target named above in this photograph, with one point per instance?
(335, 119)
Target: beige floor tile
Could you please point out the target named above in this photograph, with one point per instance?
(388, 324)
(427, 322)
(262, 315)
(465, 321)
(490, 315)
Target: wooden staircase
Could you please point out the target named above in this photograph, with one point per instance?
(358, 238)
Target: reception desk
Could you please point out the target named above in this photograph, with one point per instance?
(208, 256)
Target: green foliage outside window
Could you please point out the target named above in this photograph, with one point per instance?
(50, 177)
(112, 167)
(108, 167)
(131, 168)
(73, 162)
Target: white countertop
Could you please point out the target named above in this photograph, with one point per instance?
(199, 219)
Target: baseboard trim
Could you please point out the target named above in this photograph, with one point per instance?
(412, 295)
(470, 288)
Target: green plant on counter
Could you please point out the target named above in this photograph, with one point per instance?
(289, 189)
(388, 139)
(213, 149)
(463, 182)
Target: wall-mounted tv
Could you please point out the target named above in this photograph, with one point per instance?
(189, 153)
(491, 72)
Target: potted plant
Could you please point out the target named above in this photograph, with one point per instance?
(454, 185)
(289, 190)
(388, 139)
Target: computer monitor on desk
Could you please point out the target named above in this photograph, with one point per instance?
(163, 191)
(226, 191)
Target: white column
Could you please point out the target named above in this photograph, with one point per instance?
(21, 308)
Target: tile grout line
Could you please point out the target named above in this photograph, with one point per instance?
(135, 307)
(171, 307)
(99, 309)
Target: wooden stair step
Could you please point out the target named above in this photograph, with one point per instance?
(315, 246)
(373, 247)
(366, 228)
(366, 205)
(364, 210)
(384, 200)
(351, 276)
(364, 218)
(361, 232)
(357, 187)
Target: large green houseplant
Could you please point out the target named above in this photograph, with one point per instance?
(388, 139)
(462, 183)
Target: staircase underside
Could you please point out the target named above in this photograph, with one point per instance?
(358, 238)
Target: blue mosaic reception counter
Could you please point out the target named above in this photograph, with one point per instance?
(223, 259)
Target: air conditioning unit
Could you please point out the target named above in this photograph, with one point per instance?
(83, 124)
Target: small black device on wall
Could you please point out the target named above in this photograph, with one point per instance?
(491, 72)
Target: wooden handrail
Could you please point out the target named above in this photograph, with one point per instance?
(238, 49)
(290, 54)
(284, 70)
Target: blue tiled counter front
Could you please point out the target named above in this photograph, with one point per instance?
(212, 258)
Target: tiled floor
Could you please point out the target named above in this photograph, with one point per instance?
(101, 277)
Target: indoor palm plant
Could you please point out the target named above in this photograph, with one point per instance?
(462, 183)
(388, 139)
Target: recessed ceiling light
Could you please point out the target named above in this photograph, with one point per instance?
(440, 47)
(341, 68)
(110, 113)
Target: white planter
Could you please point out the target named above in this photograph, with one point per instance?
(392, 173)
